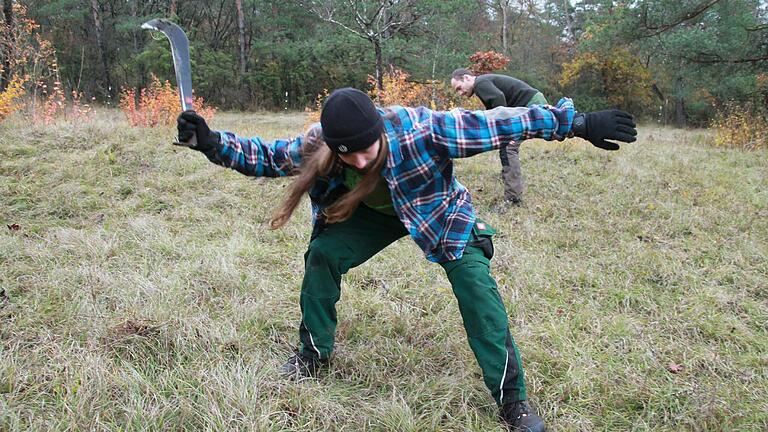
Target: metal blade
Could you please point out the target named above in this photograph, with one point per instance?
(180, 52)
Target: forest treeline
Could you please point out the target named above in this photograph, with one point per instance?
(668, 60)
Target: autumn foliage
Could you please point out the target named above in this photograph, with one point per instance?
(619, 79)
(35, 70)
(30, 57)
(9, 98)
(157, 105)
(54, 105)
(740, 126)
(399, 90)
(484, 62)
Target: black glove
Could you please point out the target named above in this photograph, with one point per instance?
(598, 126)
(190, 124)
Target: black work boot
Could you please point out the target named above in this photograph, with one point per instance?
(301, 366)
(520, 417)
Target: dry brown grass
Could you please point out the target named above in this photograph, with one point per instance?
(143, 291)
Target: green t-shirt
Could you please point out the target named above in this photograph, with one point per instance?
(379, 199)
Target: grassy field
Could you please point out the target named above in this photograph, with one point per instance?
(141, 290)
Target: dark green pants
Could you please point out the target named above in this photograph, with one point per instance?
(342, 246)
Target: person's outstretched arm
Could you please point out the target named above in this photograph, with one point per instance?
(250, 156)
(461, 133)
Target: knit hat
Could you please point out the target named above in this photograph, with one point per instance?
(350, 121)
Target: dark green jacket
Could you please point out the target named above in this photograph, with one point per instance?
(501, 90)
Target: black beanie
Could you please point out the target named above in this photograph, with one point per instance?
(350, 121)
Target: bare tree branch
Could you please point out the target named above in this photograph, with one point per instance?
(385, 20)
(659, 29)
(757, 28)
(326, 12)
(707, 58)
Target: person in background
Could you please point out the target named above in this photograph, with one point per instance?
(495, 90)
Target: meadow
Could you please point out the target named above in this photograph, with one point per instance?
(141, 289)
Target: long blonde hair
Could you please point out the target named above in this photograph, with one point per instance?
(319, 162)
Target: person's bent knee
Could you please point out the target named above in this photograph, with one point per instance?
(322, 254)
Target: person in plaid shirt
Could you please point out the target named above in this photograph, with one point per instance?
(375, 175)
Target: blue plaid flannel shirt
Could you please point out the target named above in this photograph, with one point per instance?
(434, 207)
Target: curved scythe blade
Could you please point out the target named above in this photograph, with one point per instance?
(180, 52)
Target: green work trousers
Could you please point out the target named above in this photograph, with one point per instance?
(348, 244)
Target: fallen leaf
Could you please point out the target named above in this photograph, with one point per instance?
(674, 367)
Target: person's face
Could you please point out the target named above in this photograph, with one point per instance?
(464, 86)
(362, 160)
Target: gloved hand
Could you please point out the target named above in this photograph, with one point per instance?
(598, 126)
(189, 123)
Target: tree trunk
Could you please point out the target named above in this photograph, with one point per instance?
(5, 79)
(568, 22)
(172, 8)
(136, 50)
(135, 16)
(379, 66)
(241, 35)
(679, 103)
(98, 28)
(504, 24)
(385, 20)
(434, 80)
(662, 103)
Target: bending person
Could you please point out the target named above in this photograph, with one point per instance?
(495, 90)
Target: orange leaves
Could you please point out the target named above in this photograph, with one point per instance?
(9, 97)
(55, 106)
(32, 62)
(29, 54)
(398, 90)
(487, 62)
(157, 105)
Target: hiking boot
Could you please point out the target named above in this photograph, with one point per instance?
(520, 417)
(301, 366)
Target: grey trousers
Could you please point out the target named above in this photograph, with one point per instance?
(511, 174)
